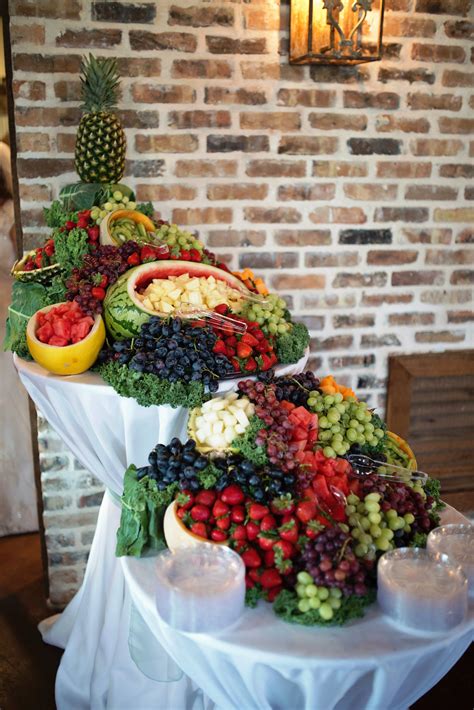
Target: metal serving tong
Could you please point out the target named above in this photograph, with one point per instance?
(216, 319)
(364, 465)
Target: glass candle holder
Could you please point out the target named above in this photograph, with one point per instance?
(457, 542)
(421, 590)
(200, 589)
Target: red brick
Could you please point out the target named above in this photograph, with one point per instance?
(33, 217)
(329, 300)
(335, 342)
(201, 69)
(427, 102)
(31, 90)
(320, 191)
(139, 119)
(302, 237)
(469, 193)
(385, 100)
(267, 260)
(292, 282)
(387, 124)
(380, 299)
(317, 98)
(390, 169)
(443, 7)
(334, 74)
(341, 363)
(401, 214)
(32, 34)
(35, 193)
(206, 215)
(287, 215)
(231, 45)
(370, 192)
(395, 26)
(430, 192)
(456, 125)
(460, 214)
(452, 77)
(411, 318)
(348, 215)
(320, 215)
(435, 146)
(65, 142)
(256, 71)
(442, 296)
(130, 13)
(26, 116)
(236, 238)
(417, 278)
(199, 119)
(96, 39)
(440, 336)
(32, 142)
(67, 90)
(438, 53)
(40, 63)
(205, 168)
(54, 9)
(353, 321)
(224, 95)
(143, 41)
(389, 257)
(379, 341)
(448, 257)
(337, 121)
(237, 191)
(465, 236)
(165, 94)
(427, 235)
(43, 167)
(164, 193)
(419, 74)
(459, 29)
(195, 16)
(329, 259)
(359, 280)
(279, 121)
(262, 18)
(312, 322)
(136, 66)
(374, 146)
(166, 143)
(276, 168)
(337, 168)
(308, 145)
(460, 316)
(232, 143)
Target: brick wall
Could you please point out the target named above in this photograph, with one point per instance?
(348, 188)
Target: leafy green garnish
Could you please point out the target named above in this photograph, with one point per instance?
(57, 216)
(433, 488)
(245, 443)
(56, 291)
(290, 346)
(149, 389)
(81, 195)
(70, 248)
(353, 607)
(419, 540)
(27, 298)
(146, 208)
(209, 476)
(253, 595)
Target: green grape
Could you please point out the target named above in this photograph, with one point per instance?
(329, 452)
(304, 605)
(304, 578)
(314, 602)
(301, 590)
(326, 612)
(323, 593)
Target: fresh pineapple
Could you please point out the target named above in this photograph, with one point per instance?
(100, 142)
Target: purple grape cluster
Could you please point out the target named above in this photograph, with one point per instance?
(331, 562)
(296, 388)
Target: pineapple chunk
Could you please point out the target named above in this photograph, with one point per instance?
(166, 307)
(218, 427)
(242, 418)
(217, 441)
(229, 434)
(239, 428)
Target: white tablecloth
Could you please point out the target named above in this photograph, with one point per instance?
(106, 433)
(263, 663)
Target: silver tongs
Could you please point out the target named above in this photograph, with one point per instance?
(215, 319)
(363, 466)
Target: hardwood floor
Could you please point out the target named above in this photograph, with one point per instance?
(28, 666)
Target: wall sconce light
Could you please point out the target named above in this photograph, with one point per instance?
(335, 31)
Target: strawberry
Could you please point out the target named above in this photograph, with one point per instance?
(239, 533)
(200, 513)
(39, 259)
(237, 514)
(287, 549)
(289, 529)
(206, 498)
(219, 509)
(267, 540)
(181, 513)
(313, 529)
(147, 253)
(222, 309)
(268, 523)
(184, 255)
(258, 333)
(306, 510)
(269, 558)
(70, 225)
(249, 583)
(283, 504)
(251, 558)
(236, 364)
(266, 363)
(249, 339)
(98, 292)
(49, 247)
(199, 529)
(252, 530)
(243, 350)
(195, 255)
(250, 365)
(233, 495)
(223, 523)
(218, 535)
(270, 578)
(219, 347)
(273, 593)
(134, 259)
(257, 511)
(231, 341)
(93, 233)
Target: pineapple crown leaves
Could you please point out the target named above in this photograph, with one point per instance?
(100, 84)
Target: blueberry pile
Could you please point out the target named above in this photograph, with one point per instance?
(174, 351)
(262, 484)
(176, 463)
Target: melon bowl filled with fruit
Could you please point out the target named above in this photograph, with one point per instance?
(63, 340)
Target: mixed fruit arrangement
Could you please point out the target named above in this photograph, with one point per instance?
(254, 474)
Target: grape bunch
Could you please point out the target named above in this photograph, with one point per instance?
(269, 314)
(325, 599)
(262, 484)
(331, 562)
(116, 201)
(296, 388)
(99, 270)
(176, 463)
(343, 422)
(175, 351)
(177, 239)
(277, 437)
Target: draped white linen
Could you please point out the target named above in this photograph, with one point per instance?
(106, 433)
(263, 663)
